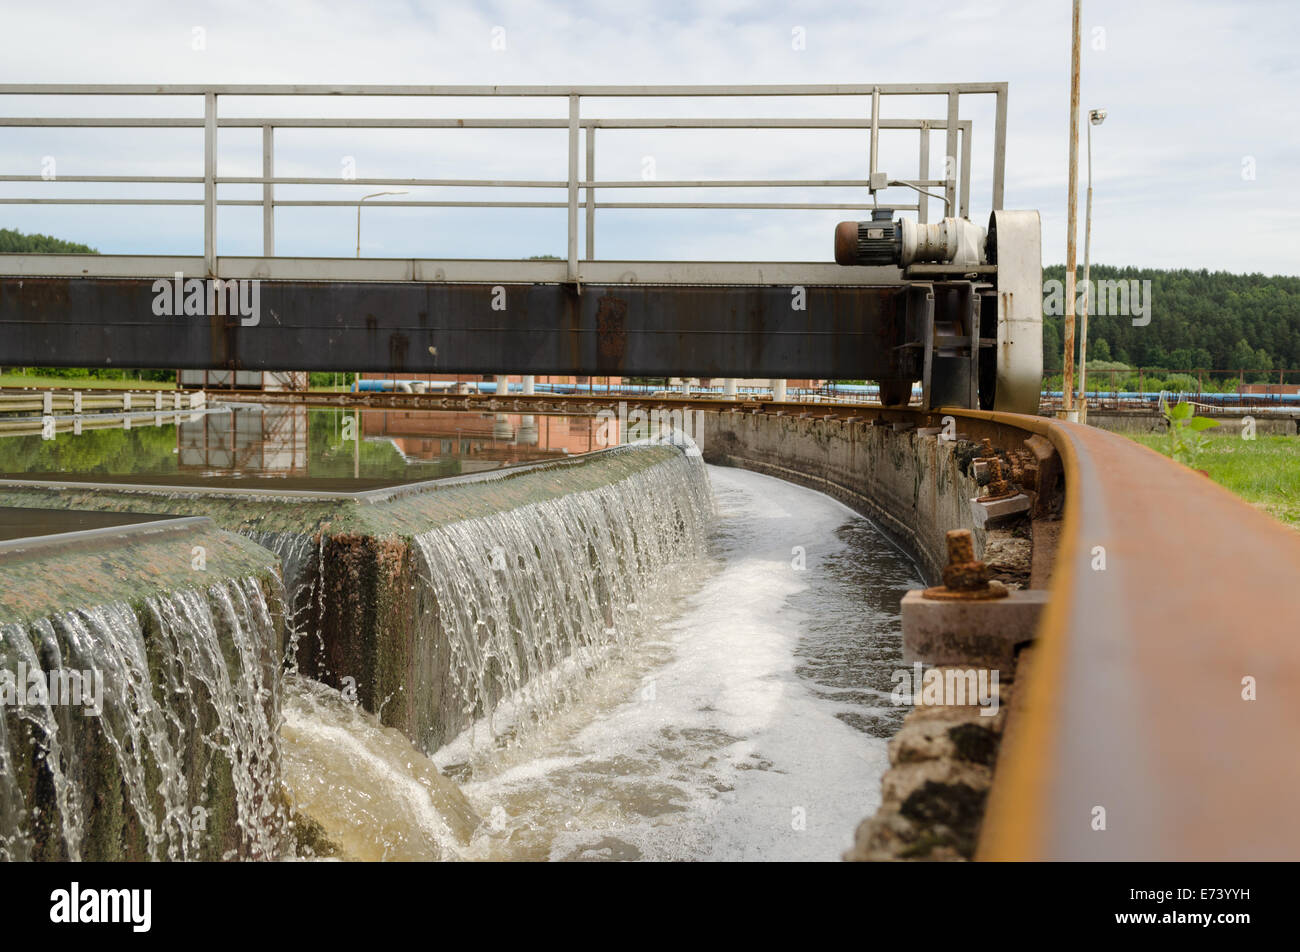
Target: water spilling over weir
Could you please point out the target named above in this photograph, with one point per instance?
(168, 696)
(722, 728)
(570, 659)
(522, 597)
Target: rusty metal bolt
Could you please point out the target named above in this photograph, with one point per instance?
(963, 572)
(964, 577)
(998, 485)
(1024, 469)
(961, 546)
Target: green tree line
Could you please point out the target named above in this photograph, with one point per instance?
(16, 243)
(1197, 320)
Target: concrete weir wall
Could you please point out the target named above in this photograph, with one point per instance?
(358, 616)
(160, 741)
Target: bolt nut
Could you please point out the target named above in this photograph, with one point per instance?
(963, 572)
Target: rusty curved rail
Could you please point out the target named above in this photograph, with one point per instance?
(1134, 700)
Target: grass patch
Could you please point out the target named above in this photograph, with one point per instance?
(1265, 471)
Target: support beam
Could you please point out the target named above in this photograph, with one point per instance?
(426, 327)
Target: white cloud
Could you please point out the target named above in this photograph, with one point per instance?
(1191, 89)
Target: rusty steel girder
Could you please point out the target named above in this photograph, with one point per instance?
(842, 332)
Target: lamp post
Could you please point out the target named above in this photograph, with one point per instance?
(1072, 227)
(1095, 118)
(359, 201)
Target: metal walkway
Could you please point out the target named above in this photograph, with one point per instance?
(583, 315)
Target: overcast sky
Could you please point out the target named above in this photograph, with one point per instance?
(1196, 165)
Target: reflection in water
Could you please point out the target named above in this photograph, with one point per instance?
(479, 441)
(297, 447)
(269, 442)
(852, 642)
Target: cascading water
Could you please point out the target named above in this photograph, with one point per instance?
(301, 570)
(530, 598)
(189, 723)
(372, 794)
(741, 715)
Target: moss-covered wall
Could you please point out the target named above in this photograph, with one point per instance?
(47, 587)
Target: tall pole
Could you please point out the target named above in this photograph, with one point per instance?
(1087, 290)
(1072, 215)
(359, 201)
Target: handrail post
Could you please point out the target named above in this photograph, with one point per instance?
(923, 197)
(210, 182)
(950, 158)
(591, 192)
(268, 191)
(963, 203)
(999, 146)
(875, 137)
(573, 187)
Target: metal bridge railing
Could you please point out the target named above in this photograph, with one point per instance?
(580, 188)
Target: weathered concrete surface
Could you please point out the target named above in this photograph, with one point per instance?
(197, 793)
(933, 795)
(998, 510)
(979, 633)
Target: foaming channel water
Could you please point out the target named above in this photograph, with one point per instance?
(739, 709)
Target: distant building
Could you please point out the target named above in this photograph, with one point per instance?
(1269, 389)
(242, 379)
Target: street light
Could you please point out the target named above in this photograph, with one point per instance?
(1095, 118)
(359, 201)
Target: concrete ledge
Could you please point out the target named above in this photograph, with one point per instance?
(975, 633)
(995, 510)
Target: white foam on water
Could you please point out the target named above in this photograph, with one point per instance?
(707, 742)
